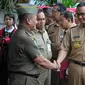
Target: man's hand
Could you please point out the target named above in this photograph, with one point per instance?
(57, 65)
(45, 63)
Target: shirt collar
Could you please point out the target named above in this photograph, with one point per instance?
(9, 30)
(42, 31)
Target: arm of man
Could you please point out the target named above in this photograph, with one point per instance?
(31, 49)
(62, 54)
(43, 62)
(65, 48)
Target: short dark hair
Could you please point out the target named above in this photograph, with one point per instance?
(10, 15)
(60, 7)
(47, 11)
(68, 15)
(40, 10)
(81, 4)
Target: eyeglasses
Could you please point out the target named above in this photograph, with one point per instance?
(40, 19)
(80, 14)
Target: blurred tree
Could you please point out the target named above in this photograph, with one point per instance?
(67, 3)
(7, 5)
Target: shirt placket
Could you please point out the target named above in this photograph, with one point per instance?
(82, 36)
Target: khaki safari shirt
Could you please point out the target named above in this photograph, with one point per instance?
(74, 41)
(43, 42)
(56, 35)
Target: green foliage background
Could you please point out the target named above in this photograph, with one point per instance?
(8, 5)
(67, 3)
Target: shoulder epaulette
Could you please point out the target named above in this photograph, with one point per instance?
(74, 26)
(53, 24)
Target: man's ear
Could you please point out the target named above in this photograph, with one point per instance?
(28, 21)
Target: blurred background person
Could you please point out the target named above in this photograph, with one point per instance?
(48, 15)
(5, 35)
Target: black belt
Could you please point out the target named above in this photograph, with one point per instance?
(21, 73)
(78, 62)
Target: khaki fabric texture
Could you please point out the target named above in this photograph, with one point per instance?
(75, 74)
(43, 42)
(30, 52)
(56, 35)
(74, 41)
(44, 45)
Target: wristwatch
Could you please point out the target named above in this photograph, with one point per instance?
(57, 67)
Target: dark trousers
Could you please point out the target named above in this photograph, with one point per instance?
(21, 79)
(55, 77)
(4, 76)
(63, 81)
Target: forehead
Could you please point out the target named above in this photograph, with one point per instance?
(80, 9)
(41, 15)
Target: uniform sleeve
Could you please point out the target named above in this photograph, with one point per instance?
(66, 43)
(31, 48)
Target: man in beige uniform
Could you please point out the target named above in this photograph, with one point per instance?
(56, 35)
(48, 15)
(44, 45)
(54, 30)
(67, 23)
(74, 42)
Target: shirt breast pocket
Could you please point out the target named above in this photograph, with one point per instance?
(48, 45)
(40, 44)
